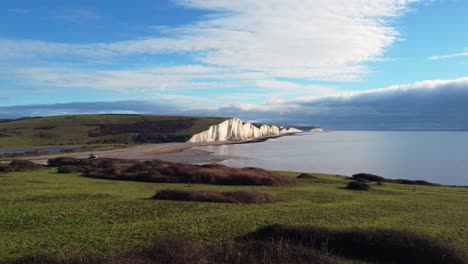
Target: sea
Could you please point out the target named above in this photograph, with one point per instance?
(438, 157)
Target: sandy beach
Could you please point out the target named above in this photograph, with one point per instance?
(176, 152)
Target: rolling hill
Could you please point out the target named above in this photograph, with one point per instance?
(100, 129)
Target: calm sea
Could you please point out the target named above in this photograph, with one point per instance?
(440, 157)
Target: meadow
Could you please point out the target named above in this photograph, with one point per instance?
(47, 213)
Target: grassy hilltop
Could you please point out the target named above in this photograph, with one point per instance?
(100, 129)
(46, 213)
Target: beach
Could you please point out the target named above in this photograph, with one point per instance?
(176, 152)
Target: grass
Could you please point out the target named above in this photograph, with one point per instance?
(215, 197)
(44, 212)
(79, 129)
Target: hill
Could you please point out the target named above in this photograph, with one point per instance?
(100, 129)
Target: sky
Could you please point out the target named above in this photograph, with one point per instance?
(349, 64)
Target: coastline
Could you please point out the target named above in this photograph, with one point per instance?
(176, 152)
(183, 152)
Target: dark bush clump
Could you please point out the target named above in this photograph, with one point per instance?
(176, 250)
(66, 161)
(215, 197)
(5, 168)
(365, 244)
(414, 182)
(375, 178)
(358, 186)
(24, 165)
(69, 169)
(306, 176)
(20, 165)
(182, 250)
(162, 171)
(368, 177)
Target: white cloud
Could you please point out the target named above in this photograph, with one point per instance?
(315, 39)
(154, 78)
(160, 79)
(449, 56)
(432, 104)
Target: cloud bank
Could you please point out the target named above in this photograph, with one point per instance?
(428, 105)
(314, 40)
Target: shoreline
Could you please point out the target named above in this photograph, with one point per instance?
(183, 152)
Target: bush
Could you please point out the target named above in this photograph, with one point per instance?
(215, 197)
(5, 168)
(358, 186)
(265, 252)
(162, 171)
(62, 161)
(365, 244)
(306, 176)
(375, 178)
(69, 169)
(368, 177)
(414, 182)
(176, 250)
(20, 165)
(182, 250)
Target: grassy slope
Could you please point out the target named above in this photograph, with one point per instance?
(50, 213)
(73, 129)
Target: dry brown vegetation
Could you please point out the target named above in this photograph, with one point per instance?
(20, 165)
(169, 172)
(375, 178)
(306, 176)
(389, 246)
(215, 197)
(358, 186)
(181, 250)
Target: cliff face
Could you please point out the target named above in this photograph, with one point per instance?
(235, 130)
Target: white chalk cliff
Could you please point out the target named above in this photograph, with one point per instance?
(234, 130)
(316, 130)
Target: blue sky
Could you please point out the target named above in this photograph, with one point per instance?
(211, 55)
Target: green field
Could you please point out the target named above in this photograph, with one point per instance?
(44, 212)
(86, 129)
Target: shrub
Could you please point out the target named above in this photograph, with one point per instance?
(368, 177)
(182, 250)
(162, 171)
(5, 168)
(365, 244)
(62, 161)
(269, 252)
(414, 182)
(20, 165)
(176, 250)
(358, 186)
(69, 169)
(215, 197)
(306, 176)
(375, 178)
